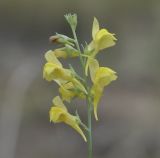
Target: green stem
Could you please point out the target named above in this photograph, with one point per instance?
(89, 101)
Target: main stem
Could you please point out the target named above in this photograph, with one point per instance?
(89, 102)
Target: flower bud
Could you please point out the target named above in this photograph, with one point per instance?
(72, 20)
(61, 39)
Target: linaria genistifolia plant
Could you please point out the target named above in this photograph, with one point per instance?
(71, 84)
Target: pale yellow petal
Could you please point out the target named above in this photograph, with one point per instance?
(104, 39)
(65, 52)
(50, 57)
(97, 92)
(104, 76)
(60, 53)
(91, 46)
(93, 67)
(57, 114)
(90, 57)
(48, 71)
(53, 71)
(57, 101)
(95, 27)
(63, 74)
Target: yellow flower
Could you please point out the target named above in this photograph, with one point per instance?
(63, 53)
(69, 90)
(101, 77)
(59, 113)
(53, 69)
(102, 39)
(51, 57)
(60, 53)
(93, 67)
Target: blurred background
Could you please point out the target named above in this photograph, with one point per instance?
(129, 111)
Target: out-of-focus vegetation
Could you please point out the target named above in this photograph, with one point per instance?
(130, 109)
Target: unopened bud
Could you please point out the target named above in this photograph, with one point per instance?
(72, 20)
(61, 39)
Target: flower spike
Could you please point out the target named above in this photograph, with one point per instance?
(74, 84)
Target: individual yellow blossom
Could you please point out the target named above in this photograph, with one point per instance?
(59, 53)
(101, 77)
(102, 39)
(51, 57)
(64, 52)
(53, 69)
(104, 76)
(59, 113)
(69, 91)
(93, 67)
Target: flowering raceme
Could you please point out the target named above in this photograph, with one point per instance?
(73, 85)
